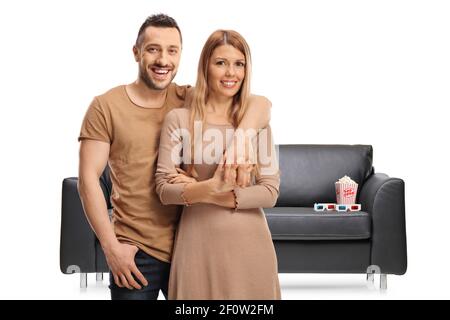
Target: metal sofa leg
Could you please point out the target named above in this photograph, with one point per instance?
(99, 277)
(383, 281)
(370, 279)
(83, 280)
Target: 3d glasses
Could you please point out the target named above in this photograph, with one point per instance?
(337, 207)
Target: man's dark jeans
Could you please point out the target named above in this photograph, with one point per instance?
(155, 271)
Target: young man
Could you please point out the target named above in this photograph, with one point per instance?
(122, 128)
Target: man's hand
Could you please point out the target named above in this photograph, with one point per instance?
(258, 113)
(214, 190)
(120, 258)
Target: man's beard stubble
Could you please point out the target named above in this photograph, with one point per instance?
(143, 75)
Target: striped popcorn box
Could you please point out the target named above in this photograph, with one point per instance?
(346, 191)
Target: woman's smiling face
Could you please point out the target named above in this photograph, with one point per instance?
(226, 71)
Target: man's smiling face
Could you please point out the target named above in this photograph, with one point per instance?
(158, 56)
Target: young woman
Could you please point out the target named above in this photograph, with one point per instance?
(223, 247)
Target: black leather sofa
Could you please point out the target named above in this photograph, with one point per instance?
(372, 241)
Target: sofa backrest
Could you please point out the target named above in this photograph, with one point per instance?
(105, 183)
(308, 172)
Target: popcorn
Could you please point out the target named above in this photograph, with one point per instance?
(346, 179)
(346, 190)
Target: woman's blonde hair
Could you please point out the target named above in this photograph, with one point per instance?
(201, 92)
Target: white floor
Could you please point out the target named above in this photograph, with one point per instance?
(294, 286)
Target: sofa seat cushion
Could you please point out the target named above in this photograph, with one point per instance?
(302, 223)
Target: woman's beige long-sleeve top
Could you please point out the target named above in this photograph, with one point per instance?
(220, 253)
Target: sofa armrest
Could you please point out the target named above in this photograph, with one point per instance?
(77, 243)
(384, 198)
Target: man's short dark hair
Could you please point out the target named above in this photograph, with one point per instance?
(157, 20)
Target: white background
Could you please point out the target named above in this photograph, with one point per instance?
(344, 72)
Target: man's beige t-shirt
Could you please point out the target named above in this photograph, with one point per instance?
(133, 133)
